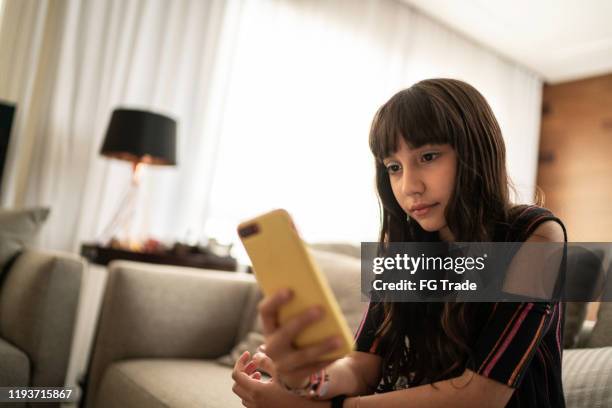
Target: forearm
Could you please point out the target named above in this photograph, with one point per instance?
(412, 397)
(468, 390)
(302, 402)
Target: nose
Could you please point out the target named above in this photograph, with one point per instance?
(412, 183)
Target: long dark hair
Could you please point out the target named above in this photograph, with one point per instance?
(427, 342)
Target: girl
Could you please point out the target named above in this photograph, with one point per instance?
(441, 176)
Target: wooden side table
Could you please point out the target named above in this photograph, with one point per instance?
(103, 255)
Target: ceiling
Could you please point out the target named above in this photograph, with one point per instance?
(560, 40)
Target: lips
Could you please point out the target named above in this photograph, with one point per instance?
(421, 209)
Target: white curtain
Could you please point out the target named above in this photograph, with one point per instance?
(309, 76)
(69, 63)
(1, 11)
(274, 100)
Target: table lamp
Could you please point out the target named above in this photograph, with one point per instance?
(140, 137)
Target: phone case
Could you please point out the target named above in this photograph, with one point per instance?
(281, 259)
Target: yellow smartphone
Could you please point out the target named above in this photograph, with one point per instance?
(281, 259)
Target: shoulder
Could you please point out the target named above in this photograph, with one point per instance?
(547, 231)
(536, 223)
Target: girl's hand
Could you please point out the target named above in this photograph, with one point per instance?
(261, 361)
(256, 393)
(293, 366)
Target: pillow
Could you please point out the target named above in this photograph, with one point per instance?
(251, 342)
(18, 228)
(585, 277)
(343, 274)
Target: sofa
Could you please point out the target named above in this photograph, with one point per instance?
(39, 296)
(168, 336)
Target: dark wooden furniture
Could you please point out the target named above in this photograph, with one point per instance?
(103, 255)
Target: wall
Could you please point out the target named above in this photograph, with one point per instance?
(575, 161)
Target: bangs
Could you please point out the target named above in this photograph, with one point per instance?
(409, 114)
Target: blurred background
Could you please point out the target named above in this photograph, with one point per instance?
(272, 102)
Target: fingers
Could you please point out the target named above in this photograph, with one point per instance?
(265, 363)
(268, 309)
(262, 362)
(244, 382)
(259, 360)
(250, 368)
(241, 362)
(242, 379)
(281, 358)
(305, 371)
(295, 325)
(309, 355)
(239, 385)
(244, 386)
(300, 364)
(280, 344)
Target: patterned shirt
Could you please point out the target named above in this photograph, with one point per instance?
(517, 343)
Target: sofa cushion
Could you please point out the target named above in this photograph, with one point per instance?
(338, 248)
(176, 383)
(15, 367)
(585, 279)
(343, 274)
(38, 308)
(587, 377)
(17, 229)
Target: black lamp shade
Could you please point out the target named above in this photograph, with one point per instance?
(140, 137)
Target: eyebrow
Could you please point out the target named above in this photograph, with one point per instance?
(430, 146)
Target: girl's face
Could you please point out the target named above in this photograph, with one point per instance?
(422, 181)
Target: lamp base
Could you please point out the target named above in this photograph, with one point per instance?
(122, 218)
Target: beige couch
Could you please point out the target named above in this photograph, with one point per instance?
(38, 304)
(163, 332)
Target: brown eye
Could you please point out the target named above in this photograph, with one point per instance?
(427, 157)
(392, 168)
